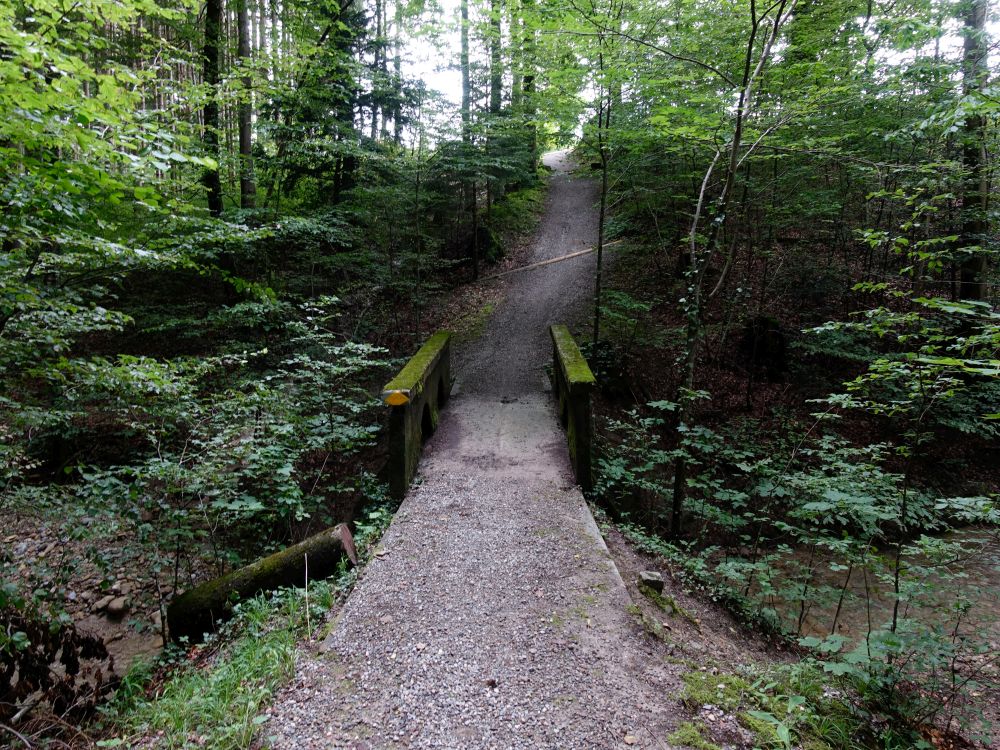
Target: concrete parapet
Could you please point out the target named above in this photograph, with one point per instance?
(415, 396)
(573, 382)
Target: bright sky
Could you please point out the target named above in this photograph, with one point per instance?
(436, 60)
(437, 64)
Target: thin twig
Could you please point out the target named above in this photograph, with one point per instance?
(17, 734)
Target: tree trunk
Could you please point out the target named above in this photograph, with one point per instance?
(213, 28)
(496, 65)
(275, 50)
(475, 230)
(466, 82)
(516, 21)
(701, 259)
(248, 188)
(603, 124)
(397, 64)
(528, 81)
(975, 199)
(201, 609)
(377, 66)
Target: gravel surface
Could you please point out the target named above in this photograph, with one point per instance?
(493, 615)
(508, 358)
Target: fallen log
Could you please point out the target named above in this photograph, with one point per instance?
(200, 610)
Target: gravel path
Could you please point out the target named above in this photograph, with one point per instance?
(493, 616)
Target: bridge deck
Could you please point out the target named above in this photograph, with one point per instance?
(494, 616)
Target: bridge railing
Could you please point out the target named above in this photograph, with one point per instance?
(573, 383)
(416, 396)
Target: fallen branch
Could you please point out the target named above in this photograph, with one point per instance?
(541, 263)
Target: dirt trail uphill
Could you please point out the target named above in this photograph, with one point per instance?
(493, 617)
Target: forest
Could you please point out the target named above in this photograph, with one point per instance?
(226, 223)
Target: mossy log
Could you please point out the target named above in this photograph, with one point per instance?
(200, 610)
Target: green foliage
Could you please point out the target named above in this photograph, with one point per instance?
(214, 694)
(518, 211)
(788, 541)
(84, 173)
(216, 700)
(189, 387)
(214, 459)
(689, 734)
(782, 706)
(627, 322)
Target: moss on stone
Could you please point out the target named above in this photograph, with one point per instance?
(573, 382)
(427, 380)
(574, 367)
(650, 625)
(689, 734)
(668, 604)
(765, 732)
(414, 374)
(472, 325)
(726, 691)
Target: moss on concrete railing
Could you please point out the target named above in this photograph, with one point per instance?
(416, 395)
(573, 382)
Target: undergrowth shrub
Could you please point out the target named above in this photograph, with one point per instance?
(799, 534)
(212, 460)
(214, 696)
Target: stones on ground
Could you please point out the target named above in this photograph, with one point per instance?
(652, 579)
(117, 607)
(103, 602)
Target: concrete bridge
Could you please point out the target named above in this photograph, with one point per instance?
(492, 615)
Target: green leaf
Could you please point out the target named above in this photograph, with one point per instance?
(839, 668)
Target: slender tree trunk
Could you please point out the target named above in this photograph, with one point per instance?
(248, 188)
(256, 25)
(975, 197)
(516, 21)
(701, 260)
(528, 81)
(377, 68)
(496, 63)
(603, 123)
(466, 82)
(475, 230)
(610, 99)
(397, 64)
(213, 28)
(275, 49)
(468, 189)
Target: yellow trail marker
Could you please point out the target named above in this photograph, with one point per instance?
(396, 398)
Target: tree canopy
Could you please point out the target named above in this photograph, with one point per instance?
(223, 220)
